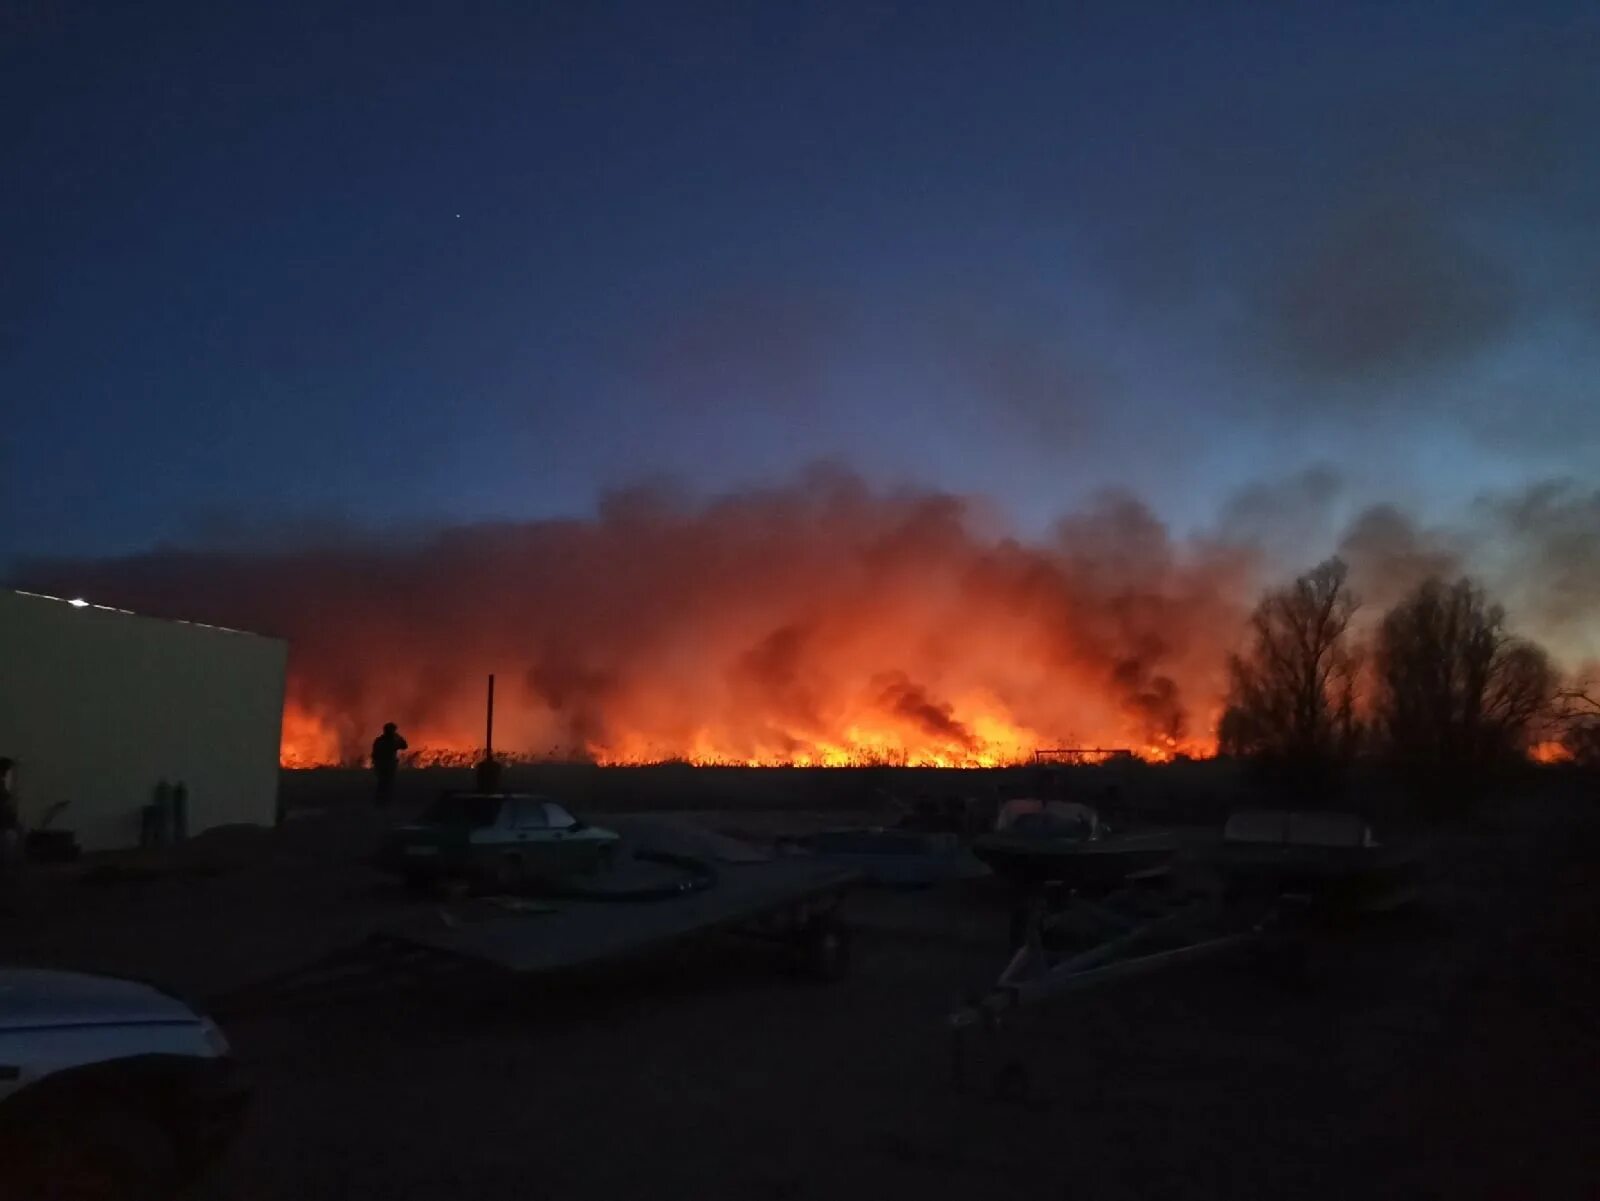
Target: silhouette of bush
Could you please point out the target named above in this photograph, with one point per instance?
(1456, 695)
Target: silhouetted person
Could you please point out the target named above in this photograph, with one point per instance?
(386, 748)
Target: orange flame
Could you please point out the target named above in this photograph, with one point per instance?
(822, 622)
(1550, 752)
(982, 735)
(307, 741)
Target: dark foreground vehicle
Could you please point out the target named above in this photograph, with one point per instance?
(110, 1090)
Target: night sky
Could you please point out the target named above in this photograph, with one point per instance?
(278, 268)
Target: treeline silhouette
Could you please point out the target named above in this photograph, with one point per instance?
(1437, 687)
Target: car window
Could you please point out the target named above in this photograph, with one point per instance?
(557, 816)
(528, 815)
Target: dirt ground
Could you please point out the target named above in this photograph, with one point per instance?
(1450, 1053)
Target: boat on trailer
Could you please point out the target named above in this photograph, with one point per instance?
(1329, 859)
(1066, 843)
(1274, 874)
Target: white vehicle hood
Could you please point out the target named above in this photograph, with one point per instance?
(33, 998)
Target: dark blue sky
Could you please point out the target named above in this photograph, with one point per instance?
(270, 267)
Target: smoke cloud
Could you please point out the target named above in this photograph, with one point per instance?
(826, 621)
(1547, 538)
(822, 621)
(1390, 291)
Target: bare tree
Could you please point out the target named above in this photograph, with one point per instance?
(1577, 717)
(1456, 693)
(1291, 695)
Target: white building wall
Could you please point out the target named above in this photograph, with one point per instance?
(98, 705)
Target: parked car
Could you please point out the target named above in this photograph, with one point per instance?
(505, 840)
(110, 1090)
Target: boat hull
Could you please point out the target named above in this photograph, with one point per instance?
(1032, 860)
(1358, 879)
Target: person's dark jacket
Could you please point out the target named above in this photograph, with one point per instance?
(386, 750)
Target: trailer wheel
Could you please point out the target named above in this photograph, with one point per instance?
(825, 947)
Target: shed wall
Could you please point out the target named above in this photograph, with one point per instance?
(98, 705)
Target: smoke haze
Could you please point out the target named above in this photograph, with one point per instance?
(823, 621)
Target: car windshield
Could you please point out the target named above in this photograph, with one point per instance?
(474, 812)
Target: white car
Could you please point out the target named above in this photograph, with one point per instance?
(110, 1089)
(505, 839)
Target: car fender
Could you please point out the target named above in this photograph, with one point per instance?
(30, 1056)
(154, 1083)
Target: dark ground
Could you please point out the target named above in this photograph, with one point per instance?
(1190, 790)
(1451, 1053)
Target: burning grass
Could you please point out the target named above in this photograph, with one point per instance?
(824, 624)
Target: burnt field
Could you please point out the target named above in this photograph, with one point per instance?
(1446, 1052)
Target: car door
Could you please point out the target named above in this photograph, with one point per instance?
(568, 853)
(531, 833)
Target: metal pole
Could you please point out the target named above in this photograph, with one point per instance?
(488, 737)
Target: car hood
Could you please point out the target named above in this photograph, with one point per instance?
(33, 998)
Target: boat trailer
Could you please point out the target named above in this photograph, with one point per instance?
(1069, 942)
(794, 902)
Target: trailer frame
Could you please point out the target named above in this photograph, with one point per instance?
(790, 902)
(1145, 925)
